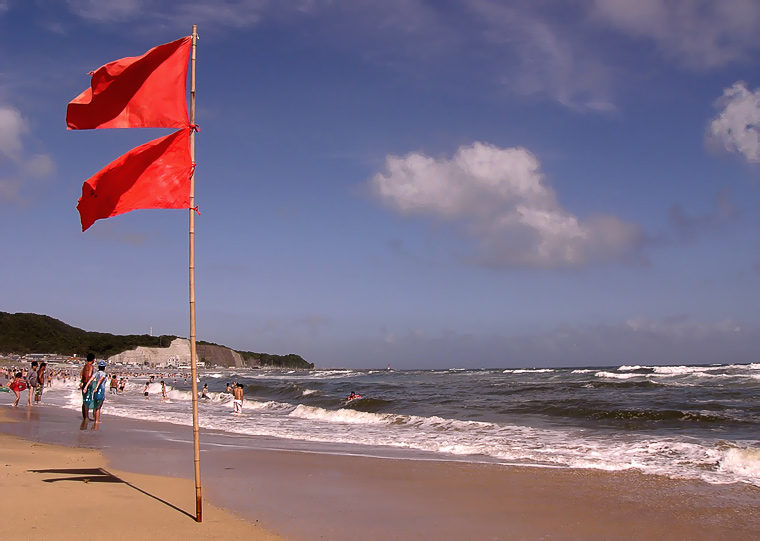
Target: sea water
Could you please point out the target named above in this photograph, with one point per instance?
(695, 422)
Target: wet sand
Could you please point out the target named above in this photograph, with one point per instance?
(307, 495)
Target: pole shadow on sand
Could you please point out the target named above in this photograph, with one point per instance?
(100, 475)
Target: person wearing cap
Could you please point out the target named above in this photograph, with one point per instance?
(98, 385)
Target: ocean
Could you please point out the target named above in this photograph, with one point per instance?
(689, 422)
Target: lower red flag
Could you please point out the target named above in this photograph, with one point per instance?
(151, 176)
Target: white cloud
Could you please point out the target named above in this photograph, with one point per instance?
(12, 127)
(695, 33)
(737, 125)
(500, 199)
(16, 166)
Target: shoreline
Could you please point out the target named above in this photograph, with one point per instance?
(307, 495)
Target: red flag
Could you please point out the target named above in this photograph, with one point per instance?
(148, 91)
(155, 175)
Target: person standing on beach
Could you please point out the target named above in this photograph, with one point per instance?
(84, 379)
(41, 378)
(237, 403)
(31, 380)
(98, 384)
(145, 391)
(114, 384)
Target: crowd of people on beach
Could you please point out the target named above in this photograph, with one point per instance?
(93, 384)
(34, 380)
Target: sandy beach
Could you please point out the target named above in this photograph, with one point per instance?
(307, 495)
(58, 492)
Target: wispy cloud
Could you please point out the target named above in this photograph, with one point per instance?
(108, 10)
(18, 167)
(500, 200)
(548, 50)
(542, 56)
(639, 340)
(687, 227)
(695, 34)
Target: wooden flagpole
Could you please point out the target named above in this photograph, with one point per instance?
(193, 352)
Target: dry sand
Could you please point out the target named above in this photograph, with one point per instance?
(54, 492)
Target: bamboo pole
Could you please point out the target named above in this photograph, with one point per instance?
(193, 351)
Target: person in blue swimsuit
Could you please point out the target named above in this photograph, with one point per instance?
(98, 385)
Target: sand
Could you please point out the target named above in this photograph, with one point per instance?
(306, 495)
(56, 492)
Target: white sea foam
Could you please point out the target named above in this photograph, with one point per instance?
(679, 455)
(742, 462)
(528, 371)
(613, 375)
(270, 405)
(341, 415)
(335, 374)
(635, 367)
(684, 370)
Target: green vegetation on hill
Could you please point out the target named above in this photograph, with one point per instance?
(21, 334)
(276, 361)
(34, 333)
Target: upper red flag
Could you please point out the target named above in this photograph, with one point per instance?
(155, 175)
(148, 91)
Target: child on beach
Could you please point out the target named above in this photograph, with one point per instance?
(17, 386)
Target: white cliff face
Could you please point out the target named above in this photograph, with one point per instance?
(178, 353)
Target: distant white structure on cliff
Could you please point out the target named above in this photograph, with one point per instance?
(177, 354)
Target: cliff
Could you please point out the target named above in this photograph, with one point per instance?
(220, 356)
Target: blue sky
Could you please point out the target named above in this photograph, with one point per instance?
(423, 184)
